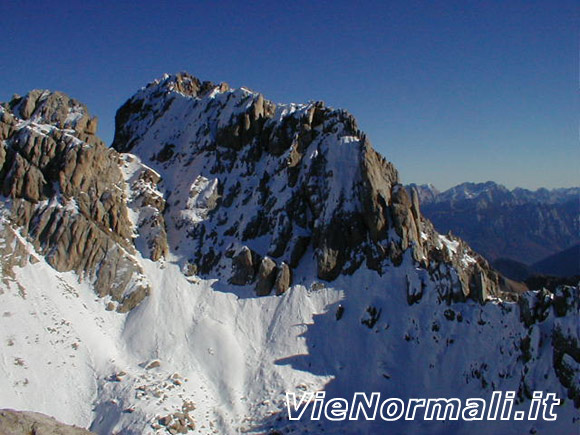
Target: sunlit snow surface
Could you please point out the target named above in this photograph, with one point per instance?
(235, 355)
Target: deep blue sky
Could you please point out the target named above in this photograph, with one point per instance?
(450, 91)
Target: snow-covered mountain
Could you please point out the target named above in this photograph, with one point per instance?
(492, 191)
(517, 224)
(227, 250)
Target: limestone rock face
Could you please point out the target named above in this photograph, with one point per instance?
(283, 279)
(13, 253)
(266, 277)
(245, 266)
(294, 183)
(67, 193)
(403, 220)
(148, 204)
(55, 109)
(24, 423)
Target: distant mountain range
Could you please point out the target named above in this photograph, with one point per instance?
(512, 227)
(564, 264)
(226, 250)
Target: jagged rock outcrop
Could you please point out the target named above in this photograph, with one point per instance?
(275, 199)
(245, 265)
(13, 253)
(284, 181)
(25, 423)
(266, 277)
(148, 205)
(546, 307)
(265, 177)
(283, 279)
(67, 193)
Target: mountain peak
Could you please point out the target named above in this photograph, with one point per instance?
(67, 193)
(53, 108)
(261, 249)
(269, 185)
(184, 84)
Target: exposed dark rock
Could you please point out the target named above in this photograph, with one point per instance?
(266, 277)
(280, 168)
(67, 193)
(371, 317)
(339, 312)
(300, 246)
(245, 266)
(24, 423)
(283, 279)
(414, 291)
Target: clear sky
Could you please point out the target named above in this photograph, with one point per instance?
(449, 91)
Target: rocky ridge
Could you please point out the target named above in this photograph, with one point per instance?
(268, 185)
(65, 193)
(210, 182)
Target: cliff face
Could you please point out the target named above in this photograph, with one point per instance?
(249, 188)
(253, 189)
(209, 198)
(65, 192)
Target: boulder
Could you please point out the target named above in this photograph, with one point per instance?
(266, 277)
(283, 279)
(244, 268)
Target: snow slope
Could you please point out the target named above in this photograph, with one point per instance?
(199, 352)
(234, 357)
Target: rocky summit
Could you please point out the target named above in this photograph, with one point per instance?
(226, 250)
(67, 193)
(253, 189)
